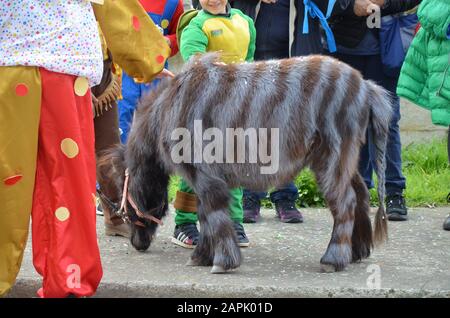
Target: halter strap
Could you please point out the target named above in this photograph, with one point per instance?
(127, 197)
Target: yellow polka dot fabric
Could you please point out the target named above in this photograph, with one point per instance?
(62, 214)
(69, 148)
(81, 86)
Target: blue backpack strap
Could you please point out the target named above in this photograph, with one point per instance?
(313, 11)
(169, 11)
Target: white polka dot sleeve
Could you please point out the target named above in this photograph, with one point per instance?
(59, 35)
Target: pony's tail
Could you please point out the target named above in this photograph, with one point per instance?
(380, 104)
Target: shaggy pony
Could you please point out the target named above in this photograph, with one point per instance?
(322, 108)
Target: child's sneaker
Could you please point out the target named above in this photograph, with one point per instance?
(396, 209)
(447, 223)
(186, 235)
(251, 209)
(240, 233)
(117, 230)
(287, 212)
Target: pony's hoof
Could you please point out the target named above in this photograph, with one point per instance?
(217, 269)
(327, 268)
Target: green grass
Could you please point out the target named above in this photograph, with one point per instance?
(427, 173)
(425, 167)
(173, 186)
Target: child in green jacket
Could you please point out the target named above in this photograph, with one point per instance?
(215, 28)
(425, 75)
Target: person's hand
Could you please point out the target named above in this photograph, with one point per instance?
(361, 8)
(269, 1)
(165, 73)
(379, 3)
(169, 43)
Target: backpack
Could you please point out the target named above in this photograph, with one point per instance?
(396, 34)
(184, 21)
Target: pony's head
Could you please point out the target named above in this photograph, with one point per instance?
(142, 194)
(139, 175)
(145, 204)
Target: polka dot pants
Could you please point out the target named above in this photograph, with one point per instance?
(47, 168)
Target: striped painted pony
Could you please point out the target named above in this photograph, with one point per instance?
(322, 109)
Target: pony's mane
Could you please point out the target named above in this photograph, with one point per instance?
(207, 59)
(153, 94)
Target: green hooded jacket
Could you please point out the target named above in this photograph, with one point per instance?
(425, 75)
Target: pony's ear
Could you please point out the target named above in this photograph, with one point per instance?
(111, 165)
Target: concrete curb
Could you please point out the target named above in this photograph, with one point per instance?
(26, 288)
(282, 261)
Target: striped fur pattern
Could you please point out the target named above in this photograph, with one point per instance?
(321, 106)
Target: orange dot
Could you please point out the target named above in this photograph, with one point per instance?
(21, 89)
(160, 59)
(12, 180)
(136, 23)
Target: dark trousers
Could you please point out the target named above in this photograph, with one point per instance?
(371, 68)
(272, 31)
(288, 192)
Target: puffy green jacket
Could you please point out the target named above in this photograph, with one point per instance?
(425, 75)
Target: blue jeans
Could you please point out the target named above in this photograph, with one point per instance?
(371, 68)
(131, 92)
(288, 192)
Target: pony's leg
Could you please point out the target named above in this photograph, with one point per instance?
(217, 244)
(362, 231)
(339, 252)
(335, 179)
